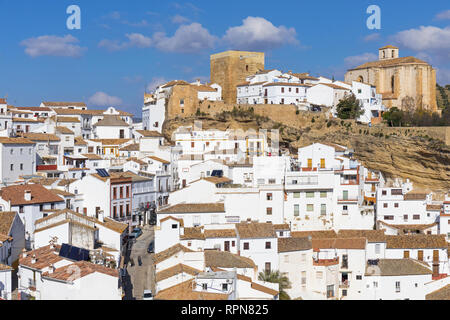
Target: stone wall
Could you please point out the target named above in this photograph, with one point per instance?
(441, 133)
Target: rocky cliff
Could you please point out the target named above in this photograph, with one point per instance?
(422, 159)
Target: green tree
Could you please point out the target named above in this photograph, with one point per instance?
(349, 108)
(393, 117)
(276, 276)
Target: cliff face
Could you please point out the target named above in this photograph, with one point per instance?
(422, 159)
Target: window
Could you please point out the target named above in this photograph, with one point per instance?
(322, 163)
(297, 195)
(269, 211)
(114, 193)
(397, 286)
(319, 275)
(286, 258)
(52, 206)
(395, 205)
(282, 90)
(268, 245)
(375, 284)
(405, 217)
(246, 246)
(310, 194)
(303, 278)
(41, 207)
(330, 291)
(11, 167)
(344, 261)
(21, 209)
(303, 257)
(345, 194)
(416, 217)
(323, 194)
(268, 267)
(272, 181)
(388, 217)
(344, 292)
(269, 197)
(323, 209)
(359, 277)
(174, 226)
(128, 191)
(224, 287)
(296, 210)
(383, 192)
(309, 207)
(204, 286)
(377, 248)
(120, 192)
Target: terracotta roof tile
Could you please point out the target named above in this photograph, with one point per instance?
(64, 130)
(149, 134)
(293, 244)
(45, 256)
(6, 140)
(390, 63)
(370, 235)
(6, 221)
(220, 233)
(39, 194)
(85, 268)
(399, 267)
(40, 136)
(418, 241)
(184, 291)
(339, 243)
(194, 208)
(166, 254)
(254, 230)
(195, 233)
(177, 269)
(111, 121)
(225, 259)
(314, 234)
(440, 294)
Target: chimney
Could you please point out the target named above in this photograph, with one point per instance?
(51, 269)
(101, 216)
(27, 195)
(33, 259)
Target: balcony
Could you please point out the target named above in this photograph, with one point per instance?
(344, 284)
(325, 262)
(347, 200)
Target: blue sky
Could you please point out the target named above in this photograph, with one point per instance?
(126, 47)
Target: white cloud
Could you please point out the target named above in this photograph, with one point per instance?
(257, 33)
(155, 82)
(424, 38)
(101, 99)
(354, 61)
(187, 39)
(444, 15)
(179, 19)
(53, 46)
(372, 37)
(136, 40)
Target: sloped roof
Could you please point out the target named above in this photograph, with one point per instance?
(194, 208)
(6, 221)
(194, 233)
(255, 230)
(417, 241)
(64, 104)
(390, 63)
(40, 136)
(314, 234)
(339, 243)
(45, 256)
(166, 254)
(177, 269)
(111, 121)
(225, 259)
(39, 194)
(6, 140)
(399, 267)
(183, 291)
(294, 244)
(220, 233)
(440, 294)
(149, 134)
(370, 235)
(64, 130)
(85, 268)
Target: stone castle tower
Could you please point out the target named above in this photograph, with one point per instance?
(230, 68)
(398, 78)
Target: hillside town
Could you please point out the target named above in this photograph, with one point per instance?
(95, 205)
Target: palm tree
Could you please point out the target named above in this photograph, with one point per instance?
(275, 276)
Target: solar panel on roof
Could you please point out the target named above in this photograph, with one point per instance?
(102, 173)
(73, 253)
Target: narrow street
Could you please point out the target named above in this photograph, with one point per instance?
(141, 277)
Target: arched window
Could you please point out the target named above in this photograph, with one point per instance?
(360, 79)
(393, 84)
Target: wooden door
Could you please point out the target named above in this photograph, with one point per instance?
(309, 163)
(227, 246)
(405, 254)
(420, 255)
(322, 163)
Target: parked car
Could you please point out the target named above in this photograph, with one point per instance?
(151, 247)
(148, 295)
(137, 232)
